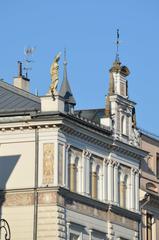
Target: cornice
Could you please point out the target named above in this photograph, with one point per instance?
(74, 126)
(72, 196)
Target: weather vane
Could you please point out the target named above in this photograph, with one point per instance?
(117, 46)
(28, 52)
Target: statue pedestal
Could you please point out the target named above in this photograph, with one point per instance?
(51, 103)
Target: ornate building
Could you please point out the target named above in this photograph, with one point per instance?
(149, 184)
(66, 173)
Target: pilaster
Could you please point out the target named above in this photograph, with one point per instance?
(116, 184)
(110, 180)
(132, 189)
(105, 182)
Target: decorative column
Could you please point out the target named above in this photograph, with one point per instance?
(132, 189)
(110, 180)
(137, 190)
(94, 181)
(72, 168)
(116, 184)
(86, 172)
(66, 165)
(105, 182)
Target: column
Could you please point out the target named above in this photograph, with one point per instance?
(132, 189)
(80, 175)
(137, 190)
(66, 165)
(86, 172)
(68, 230)
(116, 184)
(94, 181)
(110, 181)
(83, 173)
(105, 183)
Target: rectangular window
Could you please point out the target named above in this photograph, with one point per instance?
(157, 165)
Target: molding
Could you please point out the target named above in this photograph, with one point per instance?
(72, 196)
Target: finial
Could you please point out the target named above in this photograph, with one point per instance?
(65, 58)
(117, 46)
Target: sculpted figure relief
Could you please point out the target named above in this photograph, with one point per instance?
(54, 73)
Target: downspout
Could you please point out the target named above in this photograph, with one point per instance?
(36, 184)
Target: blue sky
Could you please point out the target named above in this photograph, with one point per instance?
(87, 28)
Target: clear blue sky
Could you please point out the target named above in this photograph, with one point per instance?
(87, 28)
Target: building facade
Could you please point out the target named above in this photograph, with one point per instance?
(66, 173)
(149, 185)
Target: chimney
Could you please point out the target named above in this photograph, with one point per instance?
(21, 81)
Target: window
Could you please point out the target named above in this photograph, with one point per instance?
(157, 165)
(77, 174)
(123, 125)
(124, 190)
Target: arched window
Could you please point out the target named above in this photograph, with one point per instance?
(127, 191)
(77, 174)
(123, 125)
(98, 181)
(124, 190)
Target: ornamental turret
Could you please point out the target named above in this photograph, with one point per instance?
(120, 110)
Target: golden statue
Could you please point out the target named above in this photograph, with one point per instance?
(54, 73)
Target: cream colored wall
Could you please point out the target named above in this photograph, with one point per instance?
(17, 159)
(20, 220)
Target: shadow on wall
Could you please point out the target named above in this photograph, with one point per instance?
(7, 164)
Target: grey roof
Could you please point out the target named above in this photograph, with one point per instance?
(93, 115)
(65, 90)
(15, 99)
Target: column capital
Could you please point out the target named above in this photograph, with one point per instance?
(134, 170)
(110, 162)
(67, 146)
(86, 153)
(106, 161)
(116, 164)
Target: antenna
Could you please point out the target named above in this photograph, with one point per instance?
(28, 52)
(117, 46)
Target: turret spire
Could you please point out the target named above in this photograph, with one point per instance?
(65, 90)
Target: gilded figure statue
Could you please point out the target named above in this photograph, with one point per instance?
(54, 73)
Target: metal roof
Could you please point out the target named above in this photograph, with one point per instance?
(16, 99)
